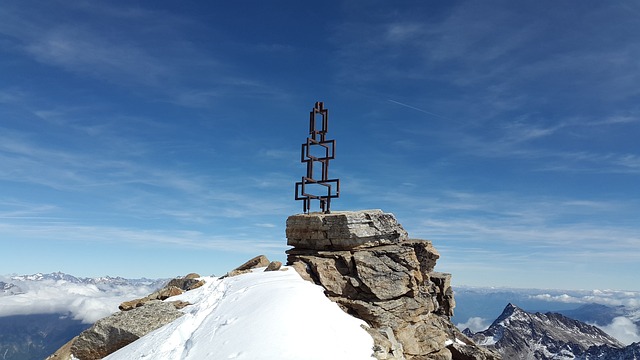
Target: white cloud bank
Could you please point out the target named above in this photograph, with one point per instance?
(622, 329)
(85, 302)
(474, 324)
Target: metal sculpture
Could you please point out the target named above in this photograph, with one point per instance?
(316, 153)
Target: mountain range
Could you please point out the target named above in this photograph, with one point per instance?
(107, 281)
(517, 334)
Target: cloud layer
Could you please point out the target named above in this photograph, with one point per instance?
(622, 329)
(85, 302)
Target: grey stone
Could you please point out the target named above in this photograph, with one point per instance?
(256, 262)
(186, 283)
(443, 293)
(343, 230)
(122, 328)
(274, 266)
(383, 275)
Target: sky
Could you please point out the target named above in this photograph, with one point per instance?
(155, 139)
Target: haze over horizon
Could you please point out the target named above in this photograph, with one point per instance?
(157, 139)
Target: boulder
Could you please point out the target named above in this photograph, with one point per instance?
(186, 283)
(256, 262)
(274, 266)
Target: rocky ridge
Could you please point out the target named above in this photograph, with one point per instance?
(367, 264)
(517, 334)
(605, 352)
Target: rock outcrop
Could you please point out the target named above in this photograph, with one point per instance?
(367, 264)
(137, 318)
(256, 262)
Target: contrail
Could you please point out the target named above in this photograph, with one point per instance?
(415, 108)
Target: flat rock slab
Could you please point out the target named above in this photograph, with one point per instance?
(344, 230)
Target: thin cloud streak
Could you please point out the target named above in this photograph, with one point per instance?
(415, 108)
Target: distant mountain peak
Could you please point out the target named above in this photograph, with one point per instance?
(510, 311)
(58, 275)
(9, 289)
(518, 334)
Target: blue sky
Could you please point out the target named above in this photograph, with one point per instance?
(161, 138)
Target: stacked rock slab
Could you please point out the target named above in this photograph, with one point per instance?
(368, 265)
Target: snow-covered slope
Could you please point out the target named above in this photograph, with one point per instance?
(260, 315)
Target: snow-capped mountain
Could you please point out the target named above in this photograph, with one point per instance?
(476, 307)
(107, 281)
(517, 334)
(9, 289)
(52, 276)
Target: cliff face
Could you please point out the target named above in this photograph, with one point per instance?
(367, 264)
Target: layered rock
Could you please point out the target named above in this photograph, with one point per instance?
(367, 264)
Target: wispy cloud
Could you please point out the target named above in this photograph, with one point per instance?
(17, 209)
(171, 67)
(474, 324)
(76, 50)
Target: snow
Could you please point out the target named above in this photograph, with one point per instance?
(259, 315)
(487, 341)
(456, 341)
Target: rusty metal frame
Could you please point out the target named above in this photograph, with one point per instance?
(317, 138)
